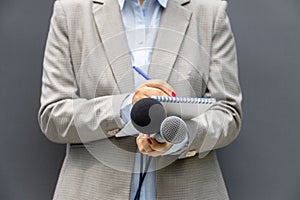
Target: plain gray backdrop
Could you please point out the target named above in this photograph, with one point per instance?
(262, 164)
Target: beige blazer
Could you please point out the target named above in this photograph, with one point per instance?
(87, 74)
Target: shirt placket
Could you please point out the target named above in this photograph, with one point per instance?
(140, 53)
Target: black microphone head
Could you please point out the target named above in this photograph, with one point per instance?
(147, 115)
(173, 130)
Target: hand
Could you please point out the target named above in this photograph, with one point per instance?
(152, 88)
(149, 146)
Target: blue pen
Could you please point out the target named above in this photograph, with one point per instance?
(141, 73)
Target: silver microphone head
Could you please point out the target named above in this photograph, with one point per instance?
(173, 130)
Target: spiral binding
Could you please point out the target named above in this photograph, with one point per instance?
(184, 100)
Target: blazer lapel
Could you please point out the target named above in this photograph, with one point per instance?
(173, 24)
(109, 23)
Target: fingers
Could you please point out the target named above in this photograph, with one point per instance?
(152, 88)
(143, 144)
(160, 84)
(150, 146)
(147, 92)
(161, 147)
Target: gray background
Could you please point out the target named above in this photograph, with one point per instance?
(263, 163)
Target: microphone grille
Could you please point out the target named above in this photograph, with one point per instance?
(173, 129)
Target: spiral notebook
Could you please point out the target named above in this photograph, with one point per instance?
(185, 107)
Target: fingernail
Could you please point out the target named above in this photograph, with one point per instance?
(173, 94)
(149, 141)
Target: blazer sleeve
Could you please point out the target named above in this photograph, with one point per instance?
(63, 116)
(220, 125)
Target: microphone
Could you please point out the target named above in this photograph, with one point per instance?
(173, 130)
(147, 115)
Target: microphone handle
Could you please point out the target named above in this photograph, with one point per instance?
(159, 138)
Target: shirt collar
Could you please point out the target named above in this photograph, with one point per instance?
(163, 3)
(121, 3)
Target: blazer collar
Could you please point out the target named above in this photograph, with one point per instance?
(181, 2)
(173, 24)
(109, 23)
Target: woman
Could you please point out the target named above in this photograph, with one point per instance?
(88, 88)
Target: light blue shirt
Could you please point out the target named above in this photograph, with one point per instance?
(141, 26)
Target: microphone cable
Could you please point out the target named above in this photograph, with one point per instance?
(142, 175)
